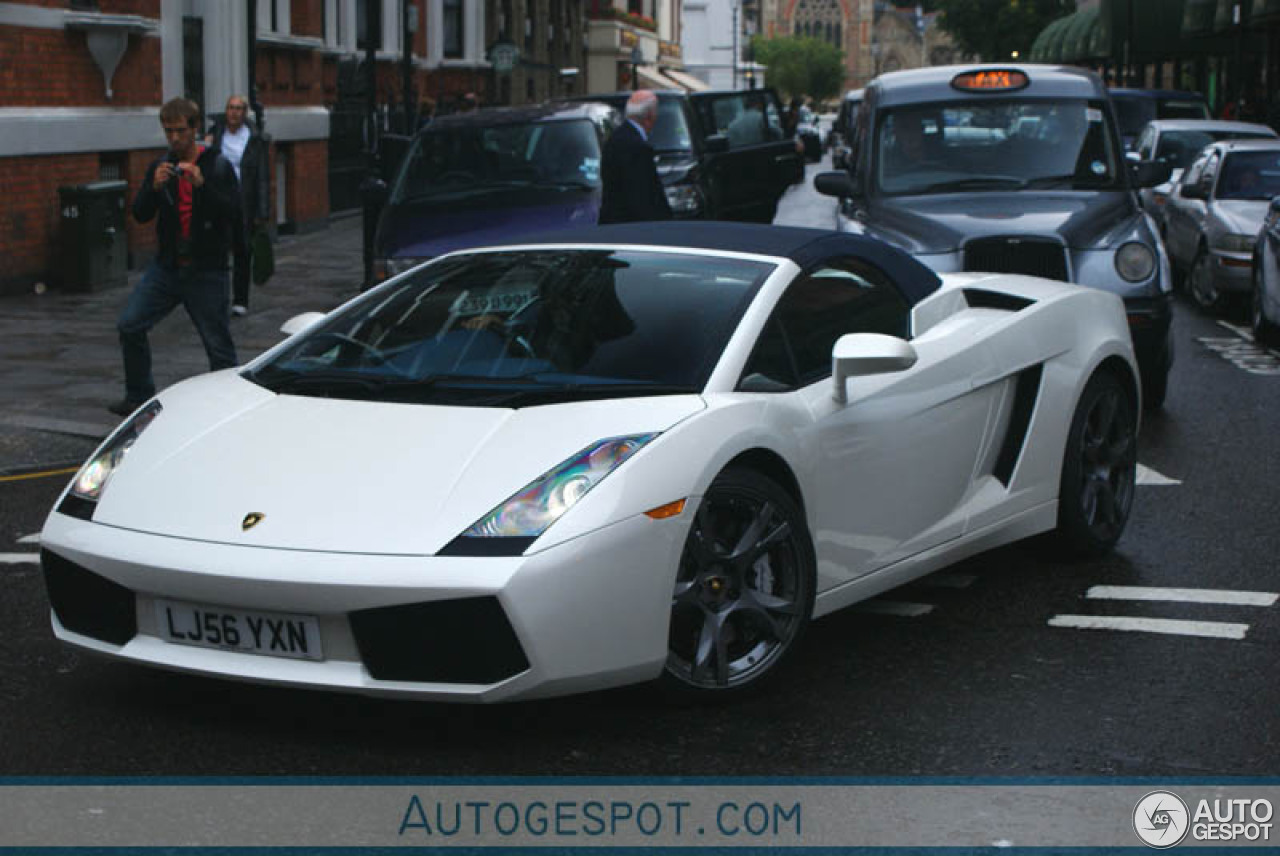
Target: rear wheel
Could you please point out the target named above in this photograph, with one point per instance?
(1204, 292)
(1099, 468)
(744, 589)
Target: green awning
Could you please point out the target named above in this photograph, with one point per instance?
(1079, 40)
(1048, 45)
(1198, 17)
(1264, 9)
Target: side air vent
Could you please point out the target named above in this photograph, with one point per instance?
(979, 298)
(1024, 404)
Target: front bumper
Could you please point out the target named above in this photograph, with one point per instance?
(583, 615)
(1232, 272)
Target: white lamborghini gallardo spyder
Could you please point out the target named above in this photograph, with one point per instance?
(637, 452)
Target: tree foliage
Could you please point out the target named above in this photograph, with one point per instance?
(799, 65)
(994, 29)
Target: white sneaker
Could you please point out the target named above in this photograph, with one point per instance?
(237, 309)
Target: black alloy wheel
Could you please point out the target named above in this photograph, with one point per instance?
(744, 589)
(1099, 468)
(1264, 331)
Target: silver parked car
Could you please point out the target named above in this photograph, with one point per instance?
(1011, 169)
(1265, 296)
(1177, 142)
(1214, 215)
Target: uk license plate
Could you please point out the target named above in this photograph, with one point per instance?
(275, 634)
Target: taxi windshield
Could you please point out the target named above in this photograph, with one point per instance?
(519, 328)
(469, 160)
(1006, 144)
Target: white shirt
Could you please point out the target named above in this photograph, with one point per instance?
(643, 134)
(233, 145)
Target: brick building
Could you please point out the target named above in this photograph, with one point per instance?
(82, 81)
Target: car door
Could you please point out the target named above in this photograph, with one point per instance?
(891, 468)
(1180, 218)
(749, 174)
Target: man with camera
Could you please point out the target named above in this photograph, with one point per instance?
(192, 195)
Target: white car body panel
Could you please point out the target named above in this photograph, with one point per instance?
(895, 483)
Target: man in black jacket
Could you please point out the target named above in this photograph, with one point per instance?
(192, 195)
(631, 189)
(237, 140)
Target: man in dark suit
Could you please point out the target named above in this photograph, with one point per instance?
(631, 189)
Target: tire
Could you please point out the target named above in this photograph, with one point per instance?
(1204, 294)
(1099, 469)
(743, 592)
(1264, 331)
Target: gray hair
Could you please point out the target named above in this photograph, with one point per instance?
(641, 104)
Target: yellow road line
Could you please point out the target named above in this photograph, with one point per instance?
(40, 475)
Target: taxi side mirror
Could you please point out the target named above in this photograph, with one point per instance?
(837, 184)
(1149, 173)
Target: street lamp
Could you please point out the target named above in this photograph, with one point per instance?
(637, 57)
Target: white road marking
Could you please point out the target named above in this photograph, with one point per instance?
(895, 607)
(1243, 351)
(1183, 595)
(30, 539)
(1148, 476)
(1208, 629)
(19, 558)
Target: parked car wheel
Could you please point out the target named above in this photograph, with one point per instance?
(744, 588)
(1264, 331)
(1204, 293)
(1099, 468)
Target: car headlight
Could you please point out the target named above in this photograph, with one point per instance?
(93, 477)
(542, 502)
(387, 268)
(683, 198)
(1236, 243)
(1135, 261)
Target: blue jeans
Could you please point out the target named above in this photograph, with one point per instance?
(205, 294)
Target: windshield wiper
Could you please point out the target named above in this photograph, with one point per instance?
(984, 182)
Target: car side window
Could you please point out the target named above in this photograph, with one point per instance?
(745, 118)
(849, 296)
(1210, 174)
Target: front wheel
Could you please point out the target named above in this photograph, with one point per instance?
(1099, 468)
(744, 589)
(1200, 284)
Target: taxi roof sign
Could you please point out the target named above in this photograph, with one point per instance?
(991, 80)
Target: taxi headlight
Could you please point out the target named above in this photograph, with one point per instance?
(542, 502)
(1135, 261)
(92, 479)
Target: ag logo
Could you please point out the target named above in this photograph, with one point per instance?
(252, 519)
(1161, 819)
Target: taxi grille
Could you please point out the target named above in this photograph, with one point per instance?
(462, 641)
(88, 604)
(1031, 256)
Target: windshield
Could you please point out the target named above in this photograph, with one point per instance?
(1250, 175)
(1179, 148)
(671, 133)
(995, 145)
(519, 328)
(460, 161)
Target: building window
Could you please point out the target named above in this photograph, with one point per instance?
(363, 37)
(273, 16)
(453, 29)
(820, 19)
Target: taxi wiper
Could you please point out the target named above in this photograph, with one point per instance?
(976, 182)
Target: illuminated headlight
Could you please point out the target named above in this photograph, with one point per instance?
(387, 268)
(92, 479)
(1135, 261)
(546, 498)
(1236, 243)
(683, 198)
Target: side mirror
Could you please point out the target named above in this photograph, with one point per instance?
(837, 184)
(1194, 191)
(299, 323)
(716, 144)
(859, 354)
(1149, 173)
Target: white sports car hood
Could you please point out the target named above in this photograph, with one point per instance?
(347, 476)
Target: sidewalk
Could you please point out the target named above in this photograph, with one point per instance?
(60, 363)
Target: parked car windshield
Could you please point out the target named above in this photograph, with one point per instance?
(469, 160)
(1250, 175)
(518, 328)
(1179, 148)
(995, 145)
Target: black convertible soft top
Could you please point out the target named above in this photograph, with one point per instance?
(808, 248)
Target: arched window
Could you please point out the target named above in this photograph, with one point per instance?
(821, 19)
